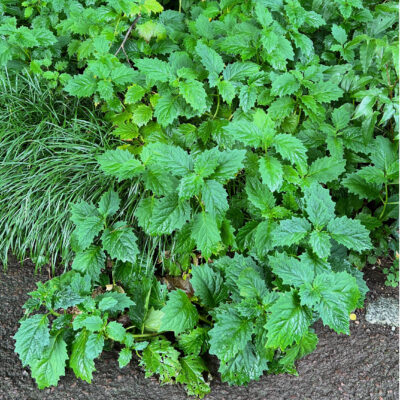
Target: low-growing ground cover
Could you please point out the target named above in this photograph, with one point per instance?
(262, 138)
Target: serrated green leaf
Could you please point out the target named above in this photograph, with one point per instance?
(109, 203)
(306, 345)
(31, 338)
(194, 341)
(291, 231)
(115, 331)
(290, 148)
(160, 358)
(166, 110)
(350, 233)
(180, 314)
(206, 162)
(90, 261)
(92, 323)
(190, 185)
(120, 242)
(245, 366)
(134, 94)
(339, 34)
(124, 357)
(191, 375)
(292, 271)
(214, 197)
(284, 84)
(333, 296)
(211, 61)
(259, 195)
(51, 366)
(208, 285)
(205, 233)
(360, 187)
(321, 243)
(142, 114)
(247, 97)
(194, 94)
(326, 169)
(171, 158)
(114, 301)
(319, 205)
(227, 91)
(271, 172)
(105, 89)
(81, 86)
(250, 284)
(245, 132)
(230, 334)
(169, 213)
(325, 92)
(288, 322)
(120, 163)
(229, 164)
(82, 363)
(122, 75)
(154, 69)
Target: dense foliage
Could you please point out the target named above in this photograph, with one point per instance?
(48, 149)
(262, 135)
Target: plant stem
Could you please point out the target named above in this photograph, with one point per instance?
(385, 202)
(204, 319)
(52, 312)
(217, 109)
(145, 335)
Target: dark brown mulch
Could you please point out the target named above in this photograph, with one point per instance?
(363, 366)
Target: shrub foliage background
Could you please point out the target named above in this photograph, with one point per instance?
(263, 137)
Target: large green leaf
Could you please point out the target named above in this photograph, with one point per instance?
(120, 163)
(208, 285)
(230, 334)
(180, 314)
(334, 296)
(271, 172)
(90, 261)
(80, 360)
(290, 270)
(205, 233)
(120, 242)
(51, 365)
(288, 322)
(31, 338)
(350, 232)
(319, 205)
(169, 213)
(291, 231)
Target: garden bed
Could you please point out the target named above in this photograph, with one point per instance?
(362, 366)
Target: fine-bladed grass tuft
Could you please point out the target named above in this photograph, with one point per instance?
(48, 149)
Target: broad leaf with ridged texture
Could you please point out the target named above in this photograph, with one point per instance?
(208, 285)
(350, 233)
(180, 314)
(32, 338)
(51, 365)
(120, 242)
(288, 322)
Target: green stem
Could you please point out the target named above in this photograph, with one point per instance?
(180, 5)
(217, 109)
(204, 319)
(145, 335)
(385, 202)
(52, 312)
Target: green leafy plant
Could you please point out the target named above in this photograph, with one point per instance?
(262, 138)
(48, 149)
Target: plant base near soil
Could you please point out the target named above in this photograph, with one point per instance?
(360, 367)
